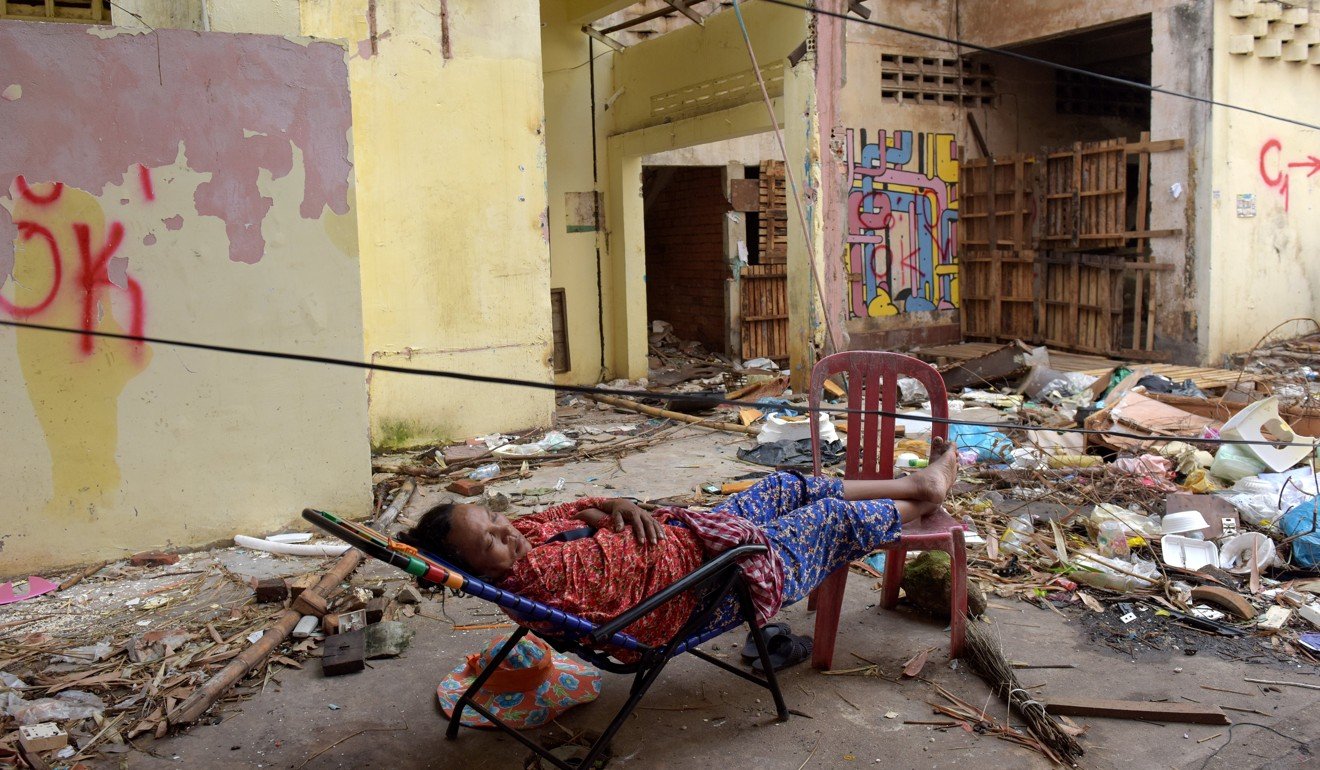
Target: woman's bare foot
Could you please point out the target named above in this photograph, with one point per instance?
(935, 480)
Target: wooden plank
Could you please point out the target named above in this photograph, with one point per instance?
(1131, 709)
(1147, 146)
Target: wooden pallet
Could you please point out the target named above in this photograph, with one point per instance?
(773, 213)
(1086, 196)
(996, 202)
(1205, 378)
(765, 312)
(998, 295)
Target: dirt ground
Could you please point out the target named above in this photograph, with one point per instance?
(697, 716)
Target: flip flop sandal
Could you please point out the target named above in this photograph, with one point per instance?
(785, 651)
(771, 630)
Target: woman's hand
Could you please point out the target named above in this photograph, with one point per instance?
(626, 513)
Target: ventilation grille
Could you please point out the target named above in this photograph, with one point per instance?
(935, 80)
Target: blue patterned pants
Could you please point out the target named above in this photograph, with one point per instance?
(812, 528)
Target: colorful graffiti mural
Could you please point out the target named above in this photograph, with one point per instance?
(902, 222)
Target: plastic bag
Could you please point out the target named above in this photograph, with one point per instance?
(989, 444)
(70, 704)
(1303, 523)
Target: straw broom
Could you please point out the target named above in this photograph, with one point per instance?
(986, 656)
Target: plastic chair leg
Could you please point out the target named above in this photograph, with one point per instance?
(894, 561)
(958, 595)
(829, 601)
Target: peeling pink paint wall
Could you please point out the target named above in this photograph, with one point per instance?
(93, 106)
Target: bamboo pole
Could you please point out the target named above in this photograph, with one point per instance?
(205, 696)
(633, 406)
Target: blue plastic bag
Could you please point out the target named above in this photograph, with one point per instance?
(1301, 523)
(988, 443)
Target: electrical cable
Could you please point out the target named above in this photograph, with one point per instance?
(586, 390)
(1044, 62)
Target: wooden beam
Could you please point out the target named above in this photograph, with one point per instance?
(1146, 145)
(1135, 709)
(978, 136)
(609, 41)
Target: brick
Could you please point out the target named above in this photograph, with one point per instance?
(376, 609)
(270, 590)
(467, 487)
(301, 583)
(153, 559)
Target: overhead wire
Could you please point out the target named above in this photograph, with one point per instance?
(1044, 62)
(590, 390)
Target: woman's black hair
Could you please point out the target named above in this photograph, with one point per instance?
(431, 534)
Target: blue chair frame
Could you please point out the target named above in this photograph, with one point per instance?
(714, 580)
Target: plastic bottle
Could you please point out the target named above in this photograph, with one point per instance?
(1112, 540)
(1019, 530)
(487, 471)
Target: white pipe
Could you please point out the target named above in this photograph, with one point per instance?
(289, 549)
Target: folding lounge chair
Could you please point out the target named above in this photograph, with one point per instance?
(713, 580)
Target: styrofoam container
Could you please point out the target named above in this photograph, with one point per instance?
(1236, 556)
(1188, 552)
(779, 428)
(1183, 521)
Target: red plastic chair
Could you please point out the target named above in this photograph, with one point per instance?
(873, 385)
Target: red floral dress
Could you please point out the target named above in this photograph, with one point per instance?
(599, 577)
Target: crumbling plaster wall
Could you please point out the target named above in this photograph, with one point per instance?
(150, 185)
(449, 129)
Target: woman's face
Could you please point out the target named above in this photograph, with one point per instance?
(486, 540)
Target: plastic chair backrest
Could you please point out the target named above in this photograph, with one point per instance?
(873, 386)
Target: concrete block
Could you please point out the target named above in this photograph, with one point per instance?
(1269, 10)
(1308, 33)
(1295, 51)
(1255, 26)
(1241, 44)
(1296, 15)
(1281, 31)
(1241, 9)
(1314, 56)
(1269, 49)
(46, 736)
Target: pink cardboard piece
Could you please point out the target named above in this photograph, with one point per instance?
(36, 587)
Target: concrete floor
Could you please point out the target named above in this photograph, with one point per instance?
(700, 717)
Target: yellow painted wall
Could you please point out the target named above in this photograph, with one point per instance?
(111, 446)
(451, 180)
(452, 194)
(707, 57)
(569, 151)
(1263, 269)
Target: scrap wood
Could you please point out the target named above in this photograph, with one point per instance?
(1282, 684)
(206, 695)
(633, 406)
(914, 666)
(1130, 709)
(78, 577)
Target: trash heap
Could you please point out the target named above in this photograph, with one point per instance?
(1171, 513)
